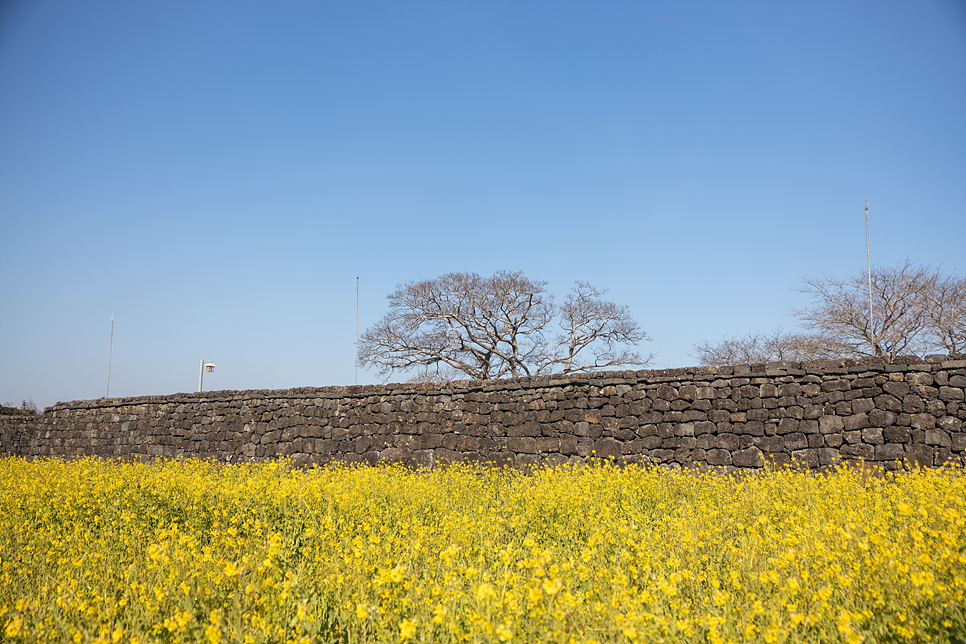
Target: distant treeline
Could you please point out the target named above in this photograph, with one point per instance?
(27, 408)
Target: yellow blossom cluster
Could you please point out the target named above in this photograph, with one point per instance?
(196, 551)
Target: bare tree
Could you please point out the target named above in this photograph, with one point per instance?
(946, 314)
(915, 309)
(488, 328)
(900, 301)
(600, 327)
(756, 348)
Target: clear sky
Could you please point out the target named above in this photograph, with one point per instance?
(217, 174)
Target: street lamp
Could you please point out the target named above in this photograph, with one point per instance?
(205, 366)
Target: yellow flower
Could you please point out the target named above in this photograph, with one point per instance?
(552, 586)
(213, 633)
(485, 592)
(407, 629)
(504, 632)
(13, 626)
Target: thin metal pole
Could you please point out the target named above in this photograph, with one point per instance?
(357, 331)
(110, 352)
(868, 257)
(201, 374)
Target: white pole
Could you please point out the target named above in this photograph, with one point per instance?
(201, 374)
(868, 259)
(357, 331)
(110, 352)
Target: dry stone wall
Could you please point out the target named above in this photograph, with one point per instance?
(728, 417)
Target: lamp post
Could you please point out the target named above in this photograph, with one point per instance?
(205, 366)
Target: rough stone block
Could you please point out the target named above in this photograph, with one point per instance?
(770, 443)
(938, 437)
(920, 455)
(836, 385)
(718, 457)
(856, 421)
(881, 418)
(807, 457)
(897, 434)
(897, 389)
(912, 404)
(568, 445)
(951, 394)
(889, 452)
(705, 442)
(608, 448)
(860, 450)
(830, 424)
(872, 435)
(545, 445)
(704, 427)
(522, 445)
(751, 457)
(684, 429)
(833, 440)
(790, 389)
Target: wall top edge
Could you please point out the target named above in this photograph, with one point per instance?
(602, 379)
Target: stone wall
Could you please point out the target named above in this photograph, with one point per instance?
(731, 417)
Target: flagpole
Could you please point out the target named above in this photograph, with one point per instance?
(110, 352)
(357, 331)
(868, 259)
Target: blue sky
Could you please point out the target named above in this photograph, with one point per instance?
(216, 174)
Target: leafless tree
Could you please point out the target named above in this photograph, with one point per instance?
(602, 328)
(900, 304)
(946, 314)
(489, 328)
(756, 348)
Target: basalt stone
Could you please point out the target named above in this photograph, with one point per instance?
(950, 424)
(796, 441)
(912, 404)
(856, 421)
(836, 385)
(889, 452)
(751, 457)
(718, 457)
(608, 448)
(830, 424)
(860, 450)
(920, 455)
(951, 394)
(770, 443)
(937, 437)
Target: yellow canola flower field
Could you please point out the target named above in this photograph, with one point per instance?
(196, 551)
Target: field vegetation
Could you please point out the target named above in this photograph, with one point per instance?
(195, 551)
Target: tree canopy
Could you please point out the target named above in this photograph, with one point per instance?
(915, 309)
(499, 326)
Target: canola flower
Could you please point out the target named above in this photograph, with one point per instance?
(195, 551)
